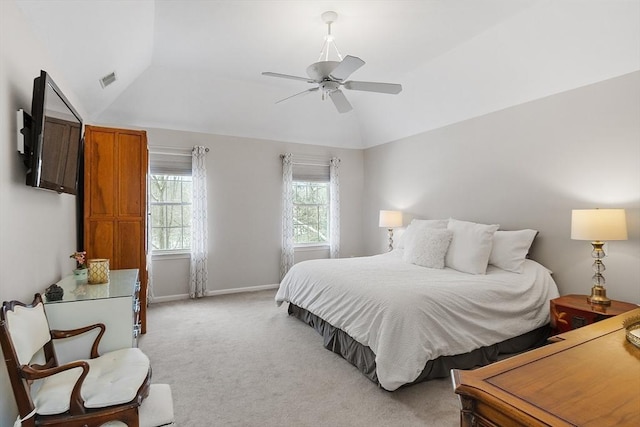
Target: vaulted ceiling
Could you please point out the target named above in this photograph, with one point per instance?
(196, 65)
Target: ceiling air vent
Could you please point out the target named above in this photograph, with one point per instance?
(108, 79)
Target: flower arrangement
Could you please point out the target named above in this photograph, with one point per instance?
(80, 259)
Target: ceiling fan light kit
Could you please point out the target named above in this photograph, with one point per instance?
(330, 76)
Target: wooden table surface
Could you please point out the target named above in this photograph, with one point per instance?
(590, 377)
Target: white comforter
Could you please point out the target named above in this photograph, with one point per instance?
(409, 314)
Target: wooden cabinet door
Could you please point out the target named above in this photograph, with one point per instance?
(131, 174)
(100, 238)
(115, 205)
(129, 244)
(99, 178)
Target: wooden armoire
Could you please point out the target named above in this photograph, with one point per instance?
(115, 201)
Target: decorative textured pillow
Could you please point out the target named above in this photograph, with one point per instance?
(428, 248)
(470, 246)
(510, 249)
(417, 226)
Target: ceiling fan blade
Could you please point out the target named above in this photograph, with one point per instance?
(392, 88)
(287, 76)
(313, 89)
(340, 101)
(348, 65)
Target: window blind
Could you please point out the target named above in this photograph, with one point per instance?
(309, 168)
(167, 163)
(310, 172)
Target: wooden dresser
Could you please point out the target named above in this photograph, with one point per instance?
(588, 377)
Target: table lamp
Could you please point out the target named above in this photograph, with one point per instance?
(389, 220)
(598, 225)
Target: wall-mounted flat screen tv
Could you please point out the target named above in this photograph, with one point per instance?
(53, 143)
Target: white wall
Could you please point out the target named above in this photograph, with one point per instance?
(37, 227)
(526, 167)
(245, 205)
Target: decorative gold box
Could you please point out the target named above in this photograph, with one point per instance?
(98, 271)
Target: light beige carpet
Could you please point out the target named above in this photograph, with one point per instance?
(238, 360)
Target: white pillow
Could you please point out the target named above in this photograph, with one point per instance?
(428, 248)
(510, 249)
(417, 226)
(470, 246)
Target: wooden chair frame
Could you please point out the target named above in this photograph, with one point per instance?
(22, 376)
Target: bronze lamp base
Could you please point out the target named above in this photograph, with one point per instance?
(598, 296)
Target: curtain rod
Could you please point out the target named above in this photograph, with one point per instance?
(319, 162)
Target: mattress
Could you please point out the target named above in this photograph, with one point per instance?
(408, 315)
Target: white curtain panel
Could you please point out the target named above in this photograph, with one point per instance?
(334, 208)
(149, 257)
(199, 231)
(287, 257)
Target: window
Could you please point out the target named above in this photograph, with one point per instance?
(170, 200)
(310, 212)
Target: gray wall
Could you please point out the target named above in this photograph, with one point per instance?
(245, 221)
(37, 227)
(526, 167)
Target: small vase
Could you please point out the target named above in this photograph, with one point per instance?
(81, 273)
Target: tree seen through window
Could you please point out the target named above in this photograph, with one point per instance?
(170, 199)
(310, 212)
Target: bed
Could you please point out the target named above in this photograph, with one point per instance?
(400, 322)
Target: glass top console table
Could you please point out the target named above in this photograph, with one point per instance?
(115, 304)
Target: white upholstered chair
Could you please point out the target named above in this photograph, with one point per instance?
(88, 392)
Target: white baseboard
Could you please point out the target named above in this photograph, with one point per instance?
(241, 290)
(168, 298)
(215, 292)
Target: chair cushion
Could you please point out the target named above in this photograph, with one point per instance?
(114, 378)
(156, 410)
(29, 331)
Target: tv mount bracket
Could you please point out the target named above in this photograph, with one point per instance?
(23, 127)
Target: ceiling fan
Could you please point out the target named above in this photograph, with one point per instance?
(330, 76)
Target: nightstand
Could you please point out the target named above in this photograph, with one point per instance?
(570, 312)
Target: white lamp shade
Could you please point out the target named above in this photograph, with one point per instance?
(598, 224)
(390, 219)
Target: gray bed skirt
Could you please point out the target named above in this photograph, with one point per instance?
(363, 358)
